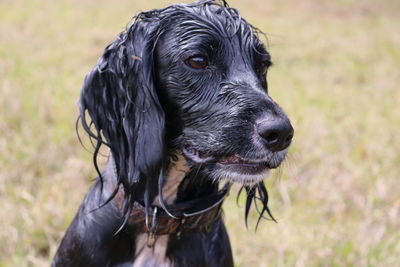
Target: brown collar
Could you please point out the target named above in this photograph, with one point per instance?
(189, 216)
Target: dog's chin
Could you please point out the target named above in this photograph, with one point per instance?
(237, 174)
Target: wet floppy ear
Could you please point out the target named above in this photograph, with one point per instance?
(120, 97)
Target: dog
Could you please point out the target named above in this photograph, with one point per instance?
(181, 100)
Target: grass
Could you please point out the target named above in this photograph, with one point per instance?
(337, 74)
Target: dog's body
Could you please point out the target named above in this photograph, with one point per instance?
(91, 239)
(180, 98)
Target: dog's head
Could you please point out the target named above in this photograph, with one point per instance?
(211, 72)
(190, 78)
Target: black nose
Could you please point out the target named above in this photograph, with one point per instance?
(277, 134)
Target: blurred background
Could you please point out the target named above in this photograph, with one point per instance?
(336, 74)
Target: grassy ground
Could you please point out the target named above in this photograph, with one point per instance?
(337, 75)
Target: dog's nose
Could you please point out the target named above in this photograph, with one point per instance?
(277, 134)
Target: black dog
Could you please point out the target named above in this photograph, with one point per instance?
(180, 98)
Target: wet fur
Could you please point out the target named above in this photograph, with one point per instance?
(145, 104)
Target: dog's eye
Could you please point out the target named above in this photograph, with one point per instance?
(264, 67)
(264, 70)
(197, 62)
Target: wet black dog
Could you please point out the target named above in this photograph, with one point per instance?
(181, 100)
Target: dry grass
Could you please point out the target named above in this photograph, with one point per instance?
(337, 75)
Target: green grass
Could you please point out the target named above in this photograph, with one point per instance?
(336, 73)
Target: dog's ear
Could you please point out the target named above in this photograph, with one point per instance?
(120, 96)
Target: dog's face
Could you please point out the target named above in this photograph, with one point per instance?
(211, 76)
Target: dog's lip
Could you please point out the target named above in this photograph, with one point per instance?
(237, 160)
(197, 157)
(230, 160)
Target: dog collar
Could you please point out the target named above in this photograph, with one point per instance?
(190, 216)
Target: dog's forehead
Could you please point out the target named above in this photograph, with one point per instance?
(208, 25)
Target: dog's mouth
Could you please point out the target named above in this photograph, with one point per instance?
(239, 165)
(232, 163)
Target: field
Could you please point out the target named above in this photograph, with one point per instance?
(336, 74)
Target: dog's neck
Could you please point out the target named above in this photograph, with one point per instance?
(177, 171)
(181, 183)
(157, 255)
